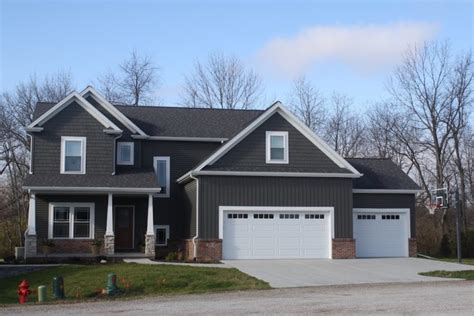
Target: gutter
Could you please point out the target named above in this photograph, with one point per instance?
(195, 253)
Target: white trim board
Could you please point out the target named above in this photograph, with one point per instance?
(69, 99)
(277, 107)
(38, 189)
(385, 191)
(268, 147)
(278, 209)
(72, 206)
(83, 141)
(89, 90)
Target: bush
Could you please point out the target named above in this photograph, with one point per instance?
(467, 244)
(172, 256)
(445, 246)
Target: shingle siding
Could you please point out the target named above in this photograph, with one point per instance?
(389, 201)
(215, 191)
(250, 153)
(73, 121)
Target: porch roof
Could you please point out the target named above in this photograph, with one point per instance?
(137, 181)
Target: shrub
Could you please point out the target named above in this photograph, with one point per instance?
(445, 246)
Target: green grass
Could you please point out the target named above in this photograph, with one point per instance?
(467, 274)
(82, 282)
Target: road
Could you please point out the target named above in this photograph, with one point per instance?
(429, 298)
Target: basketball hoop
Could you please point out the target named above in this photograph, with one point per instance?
(439, 200)
(431, 208)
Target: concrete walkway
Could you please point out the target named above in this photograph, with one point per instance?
(202, 265)
(316, 272)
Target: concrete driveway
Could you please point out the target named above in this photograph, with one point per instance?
(314, 272)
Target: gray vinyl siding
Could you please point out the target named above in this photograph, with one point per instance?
(73, 121)
(189, 200)
(250, 153)
(389, 201)
(183, 157)
(215, 191)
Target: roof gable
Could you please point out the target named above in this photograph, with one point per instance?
(277, 107)
(36, 125)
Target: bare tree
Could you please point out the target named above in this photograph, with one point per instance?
(344, 129)
(134, 83)
(222, 82)
(16, 112)
(307, 102)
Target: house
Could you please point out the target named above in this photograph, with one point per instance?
(213, 183)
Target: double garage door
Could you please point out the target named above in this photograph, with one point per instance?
(381, 232)
(269, 233)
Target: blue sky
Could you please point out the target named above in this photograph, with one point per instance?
(347, 46)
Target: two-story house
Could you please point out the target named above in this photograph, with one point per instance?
(214, 183)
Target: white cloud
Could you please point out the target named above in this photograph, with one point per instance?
(364, 48)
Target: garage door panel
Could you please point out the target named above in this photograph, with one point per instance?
(284, 234)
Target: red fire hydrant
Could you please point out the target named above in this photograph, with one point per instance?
(23, 291)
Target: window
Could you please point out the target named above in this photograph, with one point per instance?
(162, 171)
(365, 216)
(289, 216)
(391, 217)
(73, 155)
(277, 147)
(71, 221)
(263, 216)
(125, 153)
(162, 234)
(234, 215)
(314, 216)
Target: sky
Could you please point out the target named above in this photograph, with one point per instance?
(351, 47)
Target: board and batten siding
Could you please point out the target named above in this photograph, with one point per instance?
(250, 153)
(215, 191)
(389, 201)
(73, 121)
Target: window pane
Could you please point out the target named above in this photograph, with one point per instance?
(162, 175)
(161, 236)
(81, 214)
(61, 214)
(125, 153)
(81, 230)
(276, 141)
(61, 230)
(73, 148)
(277, 153)
(72, 164)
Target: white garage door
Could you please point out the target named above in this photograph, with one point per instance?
(267, 234)
(381, 232)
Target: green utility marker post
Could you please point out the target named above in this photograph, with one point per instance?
(111, 284)
(58, 287)
(41, 293)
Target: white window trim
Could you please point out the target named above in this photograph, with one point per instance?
(167, 228)
(83, 141)
(132, 153)
(71, 206)
(167, 159)
(285, 159)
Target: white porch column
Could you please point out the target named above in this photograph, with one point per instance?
(32, 215)
(109, 238)
(109, 231)
(30, 234)
(150, 231)
(149, 228)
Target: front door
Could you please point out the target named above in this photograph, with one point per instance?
(124, 218)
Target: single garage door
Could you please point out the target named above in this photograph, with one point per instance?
(268, 234)
(381, 232)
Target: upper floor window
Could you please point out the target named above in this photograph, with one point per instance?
(277, 147)
(73, 155)
(125, 153)
(161, 165)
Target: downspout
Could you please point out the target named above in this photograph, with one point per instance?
(31, 153)
(115, 153)
(197, 216)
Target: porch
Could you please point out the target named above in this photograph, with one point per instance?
(71, 222)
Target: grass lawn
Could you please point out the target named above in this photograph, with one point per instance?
(83, 282)
(464, 261)
(467, 274)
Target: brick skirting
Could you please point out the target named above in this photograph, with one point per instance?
(343, 248)
(69, 246)
(208, 250)
(412, 248)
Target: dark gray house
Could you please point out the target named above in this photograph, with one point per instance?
(211, 183)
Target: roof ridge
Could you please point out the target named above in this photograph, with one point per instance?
(369, 158)
(183, 107)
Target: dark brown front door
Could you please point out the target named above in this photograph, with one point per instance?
(124, 221)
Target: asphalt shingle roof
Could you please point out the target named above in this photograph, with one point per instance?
(136, 179)
(380, 173)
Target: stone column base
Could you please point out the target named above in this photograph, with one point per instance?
(343, 248)
(31, 246)
(412, 248)
(208, 250)
(150, 241)
(109, 245)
